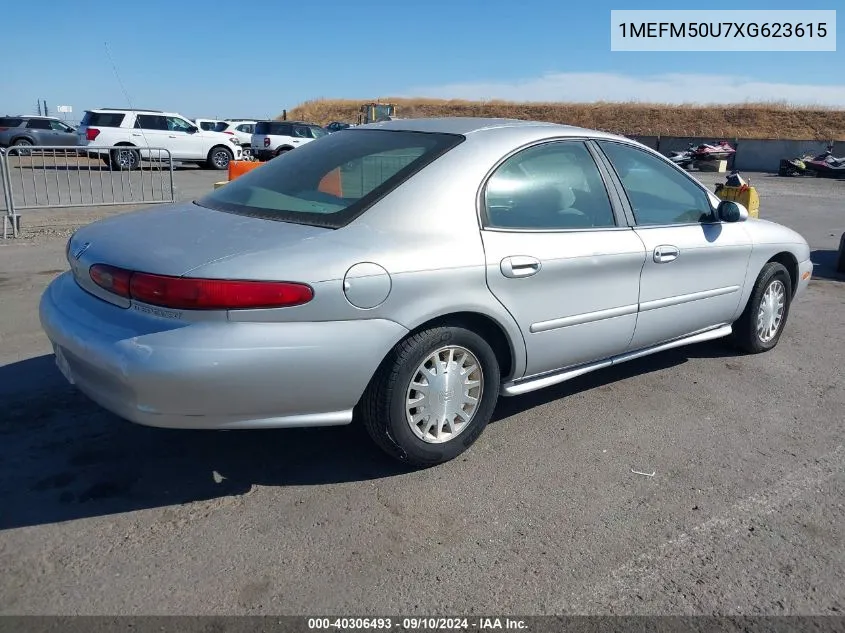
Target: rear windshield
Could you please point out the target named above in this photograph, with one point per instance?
(273, 128)
(102, 119)
(10, 121)
(220, 126)
(331, 181)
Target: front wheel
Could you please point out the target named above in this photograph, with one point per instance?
(219, 158)
(759, 327)
(432, 396)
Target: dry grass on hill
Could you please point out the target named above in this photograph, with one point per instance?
(750, 120)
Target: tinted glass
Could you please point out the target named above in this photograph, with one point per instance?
(317, 131)
(38, 124)
(658, 192)
(331, 182)
(208, 126)
(102, 119)
(246, 128)
(220, 127)
(58, 126)
(10, 121)
(151, 122)
(550, 186)
(273, 128)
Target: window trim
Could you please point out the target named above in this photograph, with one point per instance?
(629, 209)
(616, 205)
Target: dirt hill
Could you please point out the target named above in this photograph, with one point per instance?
(750, 120)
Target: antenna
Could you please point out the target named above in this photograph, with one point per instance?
(123, 89)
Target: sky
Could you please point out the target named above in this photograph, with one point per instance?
(257, 57)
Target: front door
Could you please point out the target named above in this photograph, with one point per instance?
(559, 257)
(695, 266)
(185, 144)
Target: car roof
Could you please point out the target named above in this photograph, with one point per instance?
(473, 125)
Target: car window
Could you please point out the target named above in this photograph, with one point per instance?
(38, 124)
(10, 121)
(659, 194)
(177, 124)
(317, 131)
(58, 126)
(208, 126)
(151, 122)
(102, 119)
(301, 131)
(331, 182)
(550, 186)
(244, 128)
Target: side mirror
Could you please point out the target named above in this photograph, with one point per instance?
(193, 130)
(730, 211)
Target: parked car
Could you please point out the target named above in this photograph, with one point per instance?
(336, 126)
(272, 138)
(240, 128)
(154, 129)
(24, 131)
(410, 272)
(209, 125)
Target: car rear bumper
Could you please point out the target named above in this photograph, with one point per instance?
(215, 374)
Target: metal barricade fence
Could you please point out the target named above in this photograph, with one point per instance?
(42, 177)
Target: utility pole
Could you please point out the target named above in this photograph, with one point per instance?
(38, 101)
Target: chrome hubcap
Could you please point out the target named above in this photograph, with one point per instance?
(770, 315)
(444, 394)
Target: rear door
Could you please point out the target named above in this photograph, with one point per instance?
(40, 131)
(560, 256)
(695, 266)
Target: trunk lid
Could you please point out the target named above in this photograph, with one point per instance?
(177, 239)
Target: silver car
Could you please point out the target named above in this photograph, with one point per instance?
(408, 273)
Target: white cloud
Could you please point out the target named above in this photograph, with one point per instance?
(665, 88)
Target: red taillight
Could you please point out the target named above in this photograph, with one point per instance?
(115, 280)
(266, 142)
(187, 293)
(92, 133)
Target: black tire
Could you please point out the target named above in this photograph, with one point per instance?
(383, 403)
(283, 150)
(125, 159)
(219, 158)
(21, 143)
(745, 328)
(840, 260)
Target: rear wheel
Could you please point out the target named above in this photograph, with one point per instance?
(282, 150)
(125, 159)
(219, 158)
(432, 396)
(22, 144)
(759, 327)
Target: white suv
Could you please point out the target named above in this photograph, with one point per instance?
(154, 129)
(241, 128)
(272, 138)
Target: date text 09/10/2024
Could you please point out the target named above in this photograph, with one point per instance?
(417, 624)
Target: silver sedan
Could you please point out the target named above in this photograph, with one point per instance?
(408, 273)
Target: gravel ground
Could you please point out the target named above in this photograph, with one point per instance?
(744, 514)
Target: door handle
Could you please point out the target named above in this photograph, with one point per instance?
(520, 266)
(666, 253)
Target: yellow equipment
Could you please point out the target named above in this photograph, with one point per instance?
(372, 112)
(746, 195)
